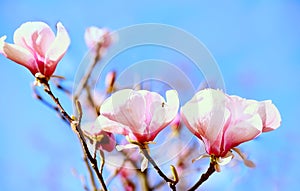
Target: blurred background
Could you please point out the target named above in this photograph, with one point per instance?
(255, 43)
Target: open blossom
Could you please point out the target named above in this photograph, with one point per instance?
(102, 140)
(97, 36)
(140, 115)
(36, 47)
(223, 122)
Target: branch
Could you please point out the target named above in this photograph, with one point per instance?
(75, 126)
(37, 95)
(92, 178)
(93, 160)
(204, 176)
(83, 82)
(172, 183)
(143, 176)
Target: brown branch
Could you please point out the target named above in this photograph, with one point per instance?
(92, 159)
(172, 183)
(76, 128)
(84, 81)
(91, 100)
(38, 96)
(92, 178)
(102, 156)
(143, 176)
(204, 176)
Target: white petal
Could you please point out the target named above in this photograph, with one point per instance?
(127, 146)
(225, 160)
(144, 164)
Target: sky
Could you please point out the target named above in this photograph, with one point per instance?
(255, 44)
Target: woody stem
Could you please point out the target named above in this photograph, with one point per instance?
(172, 183)
(76, 128)
(204, 177)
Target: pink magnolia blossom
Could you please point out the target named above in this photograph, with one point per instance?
(102, 140)
(223, 122)
(36, 47)
(97, 36)
(140, 115)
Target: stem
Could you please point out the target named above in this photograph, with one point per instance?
(172, 183)
(102, 157)
(45, 102)
(76, 128)
(92, 178)
(83, 82)
(204, 176)
(56, 101)
(143, 176)
(144, 180)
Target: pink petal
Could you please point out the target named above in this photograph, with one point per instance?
(205, 115)
(57, 49)
(43, 41)
(136, 112)
(243, 131)
(163, 113)
(19, 55)
(29, 33)
(109, 143)
(126, 107)
(270, 116)
(104, 124)
(94, 35)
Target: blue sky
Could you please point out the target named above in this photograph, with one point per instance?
(255, 43)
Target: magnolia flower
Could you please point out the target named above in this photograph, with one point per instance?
(223, 122)
(100, 139)
(95, 36)
(36, 47)
(140, 115)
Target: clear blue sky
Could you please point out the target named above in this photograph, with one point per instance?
(256, 44)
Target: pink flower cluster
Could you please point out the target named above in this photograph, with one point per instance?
(221, 121)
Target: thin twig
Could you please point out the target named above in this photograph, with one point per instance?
(102, 156)
(84, 81)
(62, 88)
(76, 127)
(38, 96)
(93, 160)
(172, 183)
(92, 178)
(204, 176)
(91, 100)
(143, 176)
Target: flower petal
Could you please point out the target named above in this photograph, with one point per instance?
(30, 35)
(105, 124)
(144, 164)
(94, 35)
(126, 107)
(243, 131)
(205, 115)
(270, 116)
(127, 146)
(19, 55)
(57, 49)
(163, 113)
